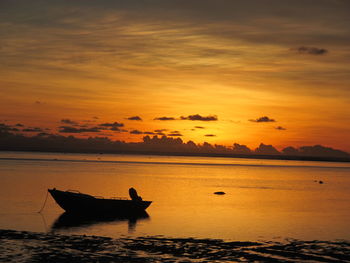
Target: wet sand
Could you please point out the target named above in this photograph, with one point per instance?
(22, 246)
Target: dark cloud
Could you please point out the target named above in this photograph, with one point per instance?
(197, 117)
(311, 50)
(263, 119)
(117, 129)
(43, 134)
(160, 130)
(134, 118)
(210, 135)
(280, 128)
(322, 151)
(69, 121)
(32, 129)
(19, 125)
(174, 134)
(6, 128)
(112, 125)
(167, 144)
(136, 132)
(164, 119)
(241, 149)
(69, 129)
(38, 102)
(266, 149)
(199, 127)
(290, 151)
(149, 133)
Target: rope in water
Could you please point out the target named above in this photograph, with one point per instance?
(42, 208)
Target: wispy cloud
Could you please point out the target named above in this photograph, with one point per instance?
(136, 132)
(280, 128)
(68, 121)
(69, 129)
(134, 118)
(112, 125)
(160, 130)
(174, 134)
(197, 117)
(311, 50)
(164, 118)
(263, 119)
(32, 129)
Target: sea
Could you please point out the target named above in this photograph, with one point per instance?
(263, 200)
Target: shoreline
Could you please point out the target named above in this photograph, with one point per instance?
(25, 246)
(186, 154)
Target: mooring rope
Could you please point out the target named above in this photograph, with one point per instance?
(42, 208)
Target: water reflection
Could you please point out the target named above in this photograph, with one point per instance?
(68, 220)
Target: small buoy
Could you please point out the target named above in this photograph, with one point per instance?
(219, 193)
(320, 182)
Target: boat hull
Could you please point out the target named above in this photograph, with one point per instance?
(86, 204)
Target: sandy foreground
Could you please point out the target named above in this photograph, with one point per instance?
(22, 246)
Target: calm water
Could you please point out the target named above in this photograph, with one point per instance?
(264, 199)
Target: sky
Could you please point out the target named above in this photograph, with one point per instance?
(255, 71)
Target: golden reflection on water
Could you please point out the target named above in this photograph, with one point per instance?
(263, 198)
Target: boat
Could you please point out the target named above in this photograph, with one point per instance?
(78, 203)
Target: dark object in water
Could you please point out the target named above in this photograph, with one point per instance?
(320, 182)
(219, 193)
(133, 195)
(78, 203)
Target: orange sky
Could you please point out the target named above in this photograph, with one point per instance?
(96, 62)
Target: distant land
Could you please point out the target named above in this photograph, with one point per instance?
(163, 146)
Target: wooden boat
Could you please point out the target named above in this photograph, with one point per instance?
(79, 203)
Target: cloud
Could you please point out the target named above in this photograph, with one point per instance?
(164, 119)
(43, 134)
(136, 132)
(263, 119)
(149, 133)
(6, 128)
(174, 134)
(160, 130)
(210, 135)
(32, 129)
(280, 128)
(69, 129)
(19, 125)
(241, 149)
(197, 117)
(290, 151)
(134, 118)
(319, 150)
(199, 127)
(311, 50)
(68, 121)
(112, 125)
(117, 129)
(266, 149)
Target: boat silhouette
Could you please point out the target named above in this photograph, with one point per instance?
(78, 203)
